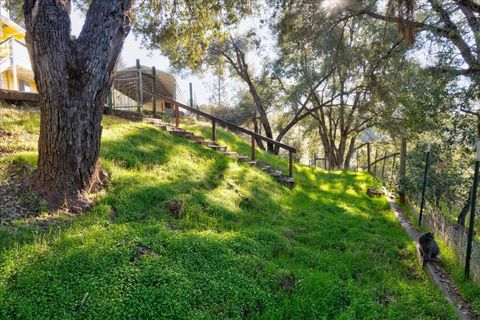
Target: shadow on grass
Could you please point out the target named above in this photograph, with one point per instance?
(226, 274)
(230, 254)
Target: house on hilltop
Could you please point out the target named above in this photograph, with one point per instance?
(15, 67)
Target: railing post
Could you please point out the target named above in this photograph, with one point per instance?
(139, 87)
(214, 130)
(424, 187)
(253, 148)
(368, 157)
(473, 205)
(154, 89)
(402, 173)
(290, 163)
(177, 116)
(375, 162)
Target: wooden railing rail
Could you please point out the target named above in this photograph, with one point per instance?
(177, 105)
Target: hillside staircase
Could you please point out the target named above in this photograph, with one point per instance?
(146, 92)
(180, 132)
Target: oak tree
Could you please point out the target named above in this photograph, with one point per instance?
(73, 75)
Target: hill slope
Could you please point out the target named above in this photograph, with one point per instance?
(184, 232)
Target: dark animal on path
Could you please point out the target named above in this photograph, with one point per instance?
(374, 192)
(427, 248)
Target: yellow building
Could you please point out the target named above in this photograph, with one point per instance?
(15, 67)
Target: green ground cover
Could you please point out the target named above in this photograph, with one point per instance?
(184, 232)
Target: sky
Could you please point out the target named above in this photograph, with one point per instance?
(132, 50)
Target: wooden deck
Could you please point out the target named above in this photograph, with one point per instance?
(17, 96)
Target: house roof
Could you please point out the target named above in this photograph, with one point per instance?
(12, 25)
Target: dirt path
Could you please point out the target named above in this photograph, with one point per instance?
(439, 276)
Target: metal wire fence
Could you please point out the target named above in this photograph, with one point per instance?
(437, 185)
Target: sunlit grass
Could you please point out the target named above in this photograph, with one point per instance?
(244, 247)
(19, 129)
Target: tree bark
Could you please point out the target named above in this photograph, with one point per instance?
(72, 77)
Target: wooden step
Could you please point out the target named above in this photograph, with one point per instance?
(275, 173)
(230, 153)
(166, 127)
(218, 148)
(207, 143)
(184, 134)
(170, 128)
(242, 158)
(154, 121)
(252, 163)
(286, 180)
(197, 138)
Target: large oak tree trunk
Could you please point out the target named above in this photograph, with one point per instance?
(72, 77)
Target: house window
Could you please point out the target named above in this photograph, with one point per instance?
(24, 86)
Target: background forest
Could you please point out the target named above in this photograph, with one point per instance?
(331, 77)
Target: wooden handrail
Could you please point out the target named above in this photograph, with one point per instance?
(221, 121)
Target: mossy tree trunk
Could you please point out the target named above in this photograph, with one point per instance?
(72, 77)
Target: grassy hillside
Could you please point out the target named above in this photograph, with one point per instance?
(184, 232)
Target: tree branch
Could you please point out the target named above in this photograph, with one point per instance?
(385, 157)
(454, 34)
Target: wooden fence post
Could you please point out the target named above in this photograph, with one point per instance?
(253, 148)
(177, 117)
(393, 163)
(424, 187)
(154, 89)
(290, 163)
(368, 157)
(403, 168)
(214, 130)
